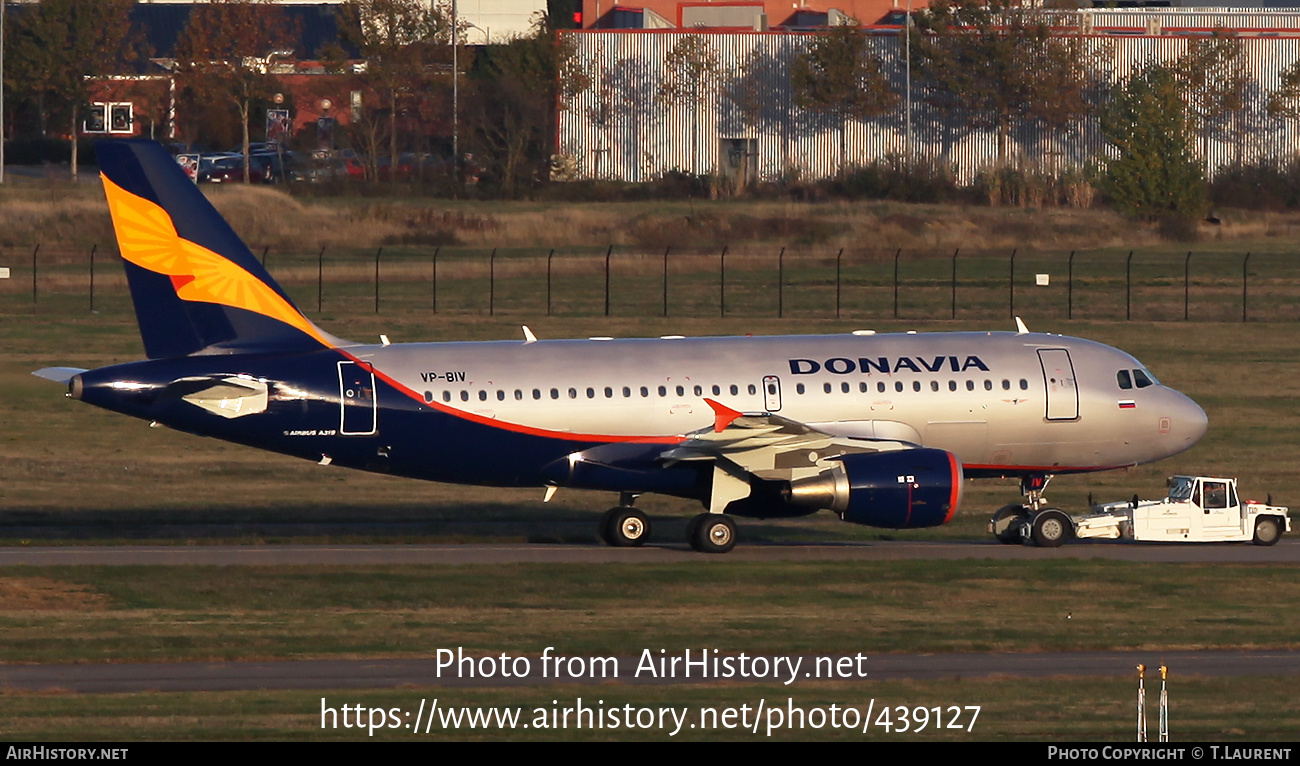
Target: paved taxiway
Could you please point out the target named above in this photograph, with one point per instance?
(1285, 552)
(395, 673)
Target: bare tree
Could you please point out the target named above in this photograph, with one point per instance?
(837, 76)
(225, 56)
(1285, 101)
(690, 78)
(997, 65)
(1213, 79)
(406, 45)
(61, 43)
(518, 89)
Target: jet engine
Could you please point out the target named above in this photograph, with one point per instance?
(899, 489)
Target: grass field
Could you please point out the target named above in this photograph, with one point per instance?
(252, 613)
(68, 471)
(1050, 710)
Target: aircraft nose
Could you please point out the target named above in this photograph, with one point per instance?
(1188, 421)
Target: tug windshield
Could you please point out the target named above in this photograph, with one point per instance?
(1180, 490)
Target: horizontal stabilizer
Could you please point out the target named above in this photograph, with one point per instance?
(58, 374)
(229, 396)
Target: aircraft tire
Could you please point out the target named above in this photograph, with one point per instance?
(692, 526)
(606, 525)
(1007, 522)
(1267, 531)
(712, 533)
(628, 528)
(1051, 528)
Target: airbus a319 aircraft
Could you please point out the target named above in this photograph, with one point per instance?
(880, 429)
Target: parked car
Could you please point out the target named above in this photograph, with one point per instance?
(230, 169)
(316, 169)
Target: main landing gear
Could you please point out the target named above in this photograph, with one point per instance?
(711, 533)
(627, 527)
(1047, 527)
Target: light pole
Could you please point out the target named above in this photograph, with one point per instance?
(907, 116)
(455, 89)
(2, 91)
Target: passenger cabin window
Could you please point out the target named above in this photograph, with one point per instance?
(826, 388)
(501, 395)
(555, 393)
(753, 389)
(1125, 382)
(428, 396)
(799, 389)
(446, 396)
(699, 391)
(537, 393)
(482, 396)
(735, 390)
(519, 394)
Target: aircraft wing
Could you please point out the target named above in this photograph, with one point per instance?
(764, 445)
(767, 446)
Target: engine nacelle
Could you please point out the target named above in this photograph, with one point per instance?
(899, 489)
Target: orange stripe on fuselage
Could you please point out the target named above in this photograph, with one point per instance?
(506, 425)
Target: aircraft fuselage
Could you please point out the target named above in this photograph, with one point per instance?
(501, 413)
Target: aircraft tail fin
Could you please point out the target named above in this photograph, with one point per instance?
(195, 285)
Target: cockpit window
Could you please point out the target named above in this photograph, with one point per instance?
(1181, 489)
(1143, 378)
(1125, 382)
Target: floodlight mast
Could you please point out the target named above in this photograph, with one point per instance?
(907, 56)
(455, 90)
(2, 90)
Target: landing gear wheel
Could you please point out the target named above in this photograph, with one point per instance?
(606, 524)
(625, 528)
(712, 533)
(1267, 531)
(692, 527)
(1006, 523)
(1050, 528)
